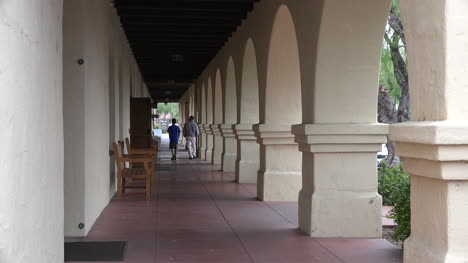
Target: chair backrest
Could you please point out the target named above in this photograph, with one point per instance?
(118, 157)
(127, 143)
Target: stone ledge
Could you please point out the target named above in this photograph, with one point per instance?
(207, 128)
(434, 132)
(269, 134)
(227, 131)
(244, 132)
(215, 129)
(335, 138)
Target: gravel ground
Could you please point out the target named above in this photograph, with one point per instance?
(387, 233)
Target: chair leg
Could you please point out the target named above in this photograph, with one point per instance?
(148, 188)
(119, 188)
(124, 185)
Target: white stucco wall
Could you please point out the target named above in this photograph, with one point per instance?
(94, 92)
(31, 159)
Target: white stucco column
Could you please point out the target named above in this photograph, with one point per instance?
(279, 177)
(31, 117)
(434, 146)
(202, 142)
(229, 155)
(248, 154)
(217, 143)
(209, 143)
(435, 155)
(339, 195)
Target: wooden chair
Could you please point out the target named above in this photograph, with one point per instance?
(124, 173)
(148, 151)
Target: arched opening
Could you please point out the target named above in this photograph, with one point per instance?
(209, 121)
(280, 173)
(209, 102)
(218, 120)
(249, 102)
(230, 118)
(248, 150)
(202, 121)
(230, 98)
(218, 99)
(340, 114)
(203, 104)
(283, 86)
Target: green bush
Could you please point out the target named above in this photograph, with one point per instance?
(401, 212)
(391, 180)
(394, 187)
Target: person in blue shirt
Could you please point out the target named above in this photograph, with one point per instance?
(174, 133)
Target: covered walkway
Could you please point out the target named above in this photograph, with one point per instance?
(199, 214)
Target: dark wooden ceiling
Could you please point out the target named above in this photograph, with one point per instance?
(174, 40)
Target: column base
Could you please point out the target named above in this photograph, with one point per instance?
(416, 252)
(339, 197)
(325, 214)
(202, 153)
(248, 154)
(209, 143)
(217, 144)
(229, 162)
(279, 186)
(246, 171)
(280, 176)
(229, 155)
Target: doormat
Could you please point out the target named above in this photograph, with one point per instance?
(96, 251)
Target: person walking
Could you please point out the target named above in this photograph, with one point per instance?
(174, 133)
(190, 133)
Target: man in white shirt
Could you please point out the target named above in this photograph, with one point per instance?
(190, 133)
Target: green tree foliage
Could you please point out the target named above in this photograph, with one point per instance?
(172, 108)
(387, 77)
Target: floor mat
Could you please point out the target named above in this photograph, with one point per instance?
(96, 251)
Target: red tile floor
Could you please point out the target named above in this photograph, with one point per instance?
(199, 214)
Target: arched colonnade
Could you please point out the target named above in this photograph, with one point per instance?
(292, 98)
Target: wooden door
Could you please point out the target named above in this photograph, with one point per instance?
(140, 122)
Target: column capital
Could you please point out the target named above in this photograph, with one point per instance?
(207, 128)
(433, 149)
(332, 138)
(201, 127)
(227, 130)
(244, 132)
(215, 129)
(273, 134)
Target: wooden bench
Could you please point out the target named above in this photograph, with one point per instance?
(125, 174)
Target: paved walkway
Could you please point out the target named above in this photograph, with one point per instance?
(199, 214)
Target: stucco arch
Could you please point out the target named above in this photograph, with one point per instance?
(209, 102)
(203, 104)
(249, 102)
(230, 98)
(283, 80)
(218, 99)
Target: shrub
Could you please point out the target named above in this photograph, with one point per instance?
(401, 212)
(394, 187)
(390, 181)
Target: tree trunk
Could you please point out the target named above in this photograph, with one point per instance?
(387, 114)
